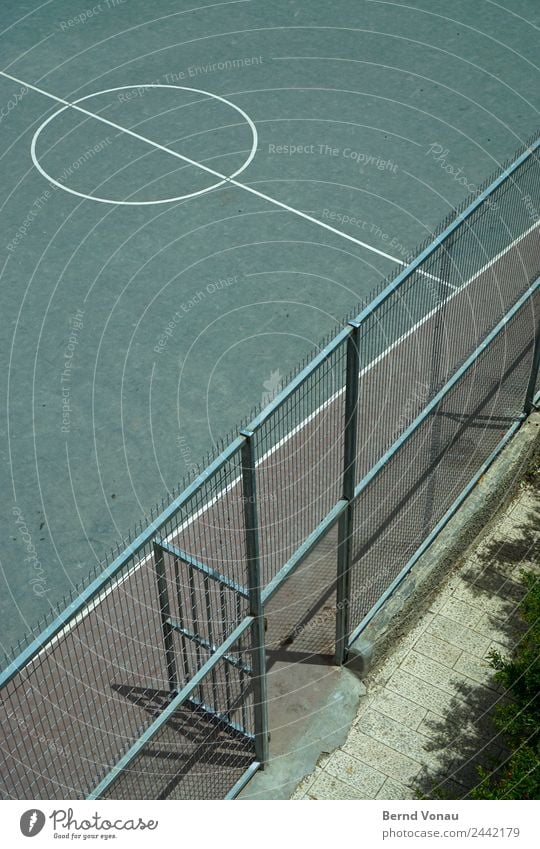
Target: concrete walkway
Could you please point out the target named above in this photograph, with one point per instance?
(424, 722)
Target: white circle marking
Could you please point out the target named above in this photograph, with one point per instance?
(48, 177)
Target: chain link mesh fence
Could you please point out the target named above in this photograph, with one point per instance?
(149, 680)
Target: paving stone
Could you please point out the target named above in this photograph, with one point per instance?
(453, 682)
(419, 691)
(382, 757)
(356, 773)
(483, 572)
(395, 735)
(441, 774)
(392, 789)
(329, 787)
(297, 796)
(434, 726)
(496, 629)
(398, 708)
(366, 702)
(438, 602)
(437, 649)
(526, 565)
(476, 668)
(512, 527)
(464, 587)
(498, 647)
(400, 651)
(462, 637)
(305, 784)
(436, 786)
(466, 772)
(408, 641)
(499, 601)
(459, 691)
(461, 612)
(478, 729)
(482, 552)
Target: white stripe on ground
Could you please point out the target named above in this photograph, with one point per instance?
(73, 623)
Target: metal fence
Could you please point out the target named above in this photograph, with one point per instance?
(151, 682)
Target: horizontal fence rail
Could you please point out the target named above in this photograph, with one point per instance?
(152, 682)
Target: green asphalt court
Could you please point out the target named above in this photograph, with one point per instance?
(193, 195)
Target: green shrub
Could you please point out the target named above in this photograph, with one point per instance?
(518, 719)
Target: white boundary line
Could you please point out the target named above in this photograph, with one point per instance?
(214, 173)
(457, 290)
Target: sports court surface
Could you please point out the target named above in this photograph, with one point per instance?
(192, 197)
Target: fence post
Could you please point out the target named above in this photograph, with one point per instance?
(345, 524)
(256, 606)
(164, 611)
(529, 395)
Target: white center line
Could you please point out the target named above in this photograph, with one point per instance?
(200, 165)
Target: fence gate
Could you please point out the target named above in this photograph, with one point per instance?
(204, 734)
(199, 607)
(211, 733)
